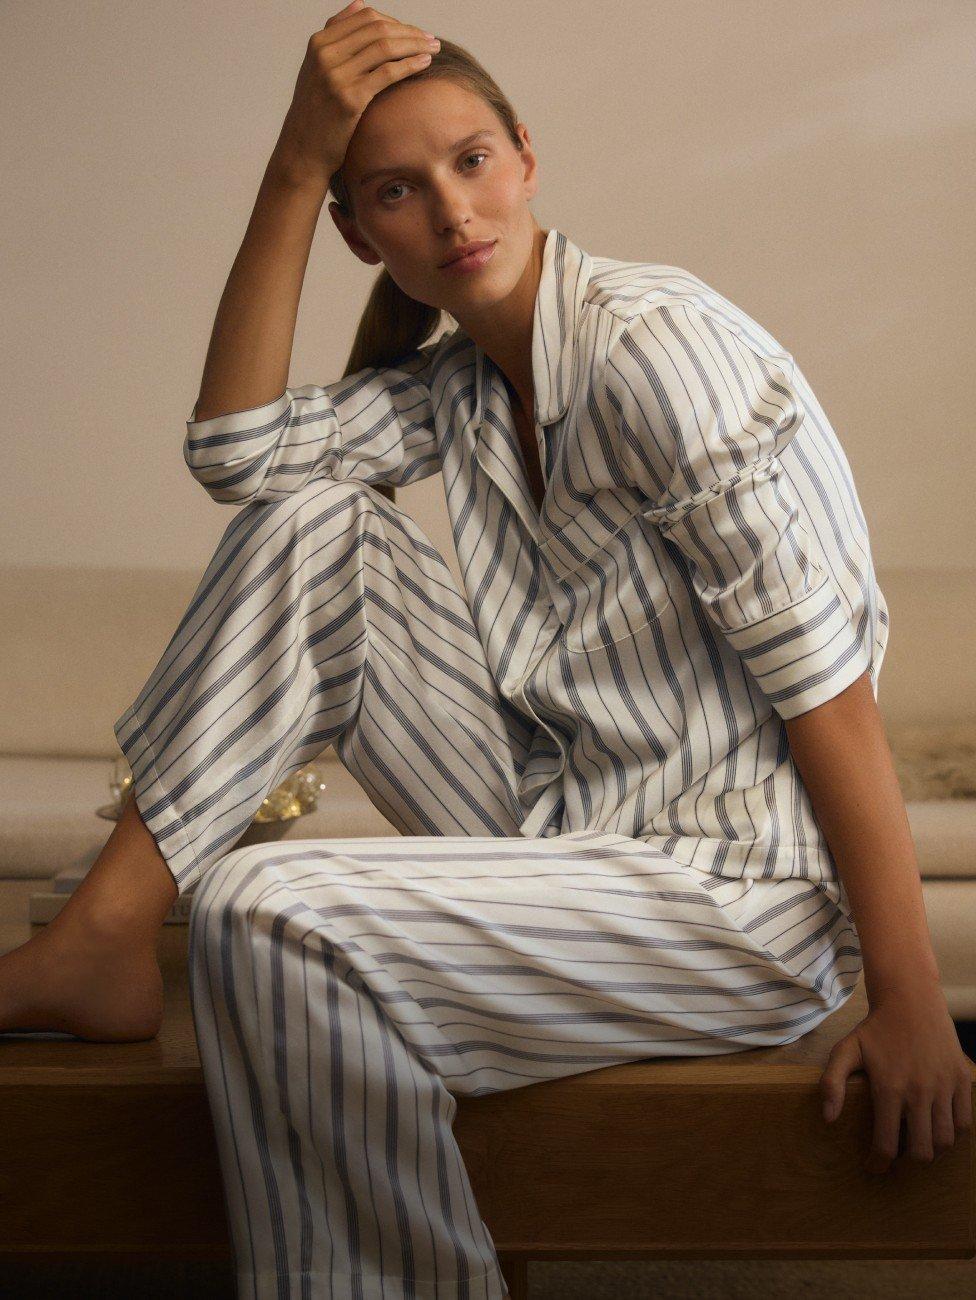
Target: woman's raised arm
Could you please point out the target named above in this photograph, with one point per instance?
(356, 54)
(254, 330)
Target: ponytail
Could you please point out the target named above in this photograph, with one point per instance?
(392, 325)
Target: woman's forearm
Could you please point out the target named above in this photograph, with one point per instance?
(254, 330)
(843, 756)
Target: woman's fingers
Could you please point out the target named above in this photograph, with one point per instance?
(919, 1110)
(929, 1127)
(377, 51)
(887, 1107)
(943, 1128)
(341, 13)
(369, 40)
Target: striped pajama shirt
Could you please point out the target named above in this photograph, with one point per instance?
(606, 850)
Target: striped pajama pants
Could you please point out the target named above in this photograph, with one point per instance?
(345, 991)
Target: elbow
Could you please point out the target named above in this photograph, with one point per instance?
(210, 445)
(233, 482)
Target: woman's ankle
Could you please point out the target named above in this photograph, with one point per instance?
(128, 890)
(88, 918)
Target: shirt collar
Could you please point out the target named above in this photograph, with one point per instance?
(563, 281)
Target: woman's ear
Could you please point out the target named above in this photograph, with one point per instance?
(530, 164)
(339, 219)
(349, 231)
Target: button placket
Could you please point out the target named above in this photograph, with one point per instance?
(539, 770)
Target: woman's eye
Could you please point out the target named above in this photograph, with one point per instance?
(398, 186)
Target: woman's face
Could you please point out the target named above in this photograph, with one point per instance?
(436, 193)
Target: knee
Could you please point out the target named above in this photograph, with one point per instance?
(322, 513)
(332, 503)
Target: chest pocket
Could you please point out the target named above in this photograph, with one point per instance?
(604, 573)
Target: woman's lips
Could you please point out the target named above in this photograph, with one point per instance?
(473, 261)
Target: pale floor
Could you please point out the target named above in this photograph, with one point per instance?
(612, 1280)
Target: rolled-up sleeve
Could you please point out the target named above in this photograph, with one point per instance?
(704, 417)
(376, 425)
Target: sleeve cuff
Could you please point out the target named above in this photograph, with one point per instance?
(805, 654)
(254, 420)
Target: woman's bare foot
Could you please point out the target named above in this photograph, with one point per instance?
(92, 971)
(82, 980)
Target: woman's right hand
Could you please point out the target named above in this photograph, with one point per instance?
(356, 54)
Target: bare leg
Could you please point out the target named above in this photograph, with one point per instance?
(93, 971)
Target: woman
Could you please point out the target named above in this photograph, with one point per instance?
(637, 761)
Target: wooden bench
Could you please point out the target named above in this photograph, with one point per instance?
(109, 1151)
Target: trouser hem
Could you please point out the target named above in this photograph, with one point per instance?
(265, 1284)
(181, 862)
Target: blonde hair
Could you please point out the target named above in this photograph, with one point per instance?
(393, 324)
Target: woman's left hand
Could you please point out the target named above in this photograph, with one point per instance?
(909, 1048)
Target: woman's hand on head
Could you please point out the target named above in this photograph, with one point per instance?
(355, 55)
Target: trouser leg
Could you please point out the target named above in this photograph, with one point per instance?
(326, 617)
(347, 990)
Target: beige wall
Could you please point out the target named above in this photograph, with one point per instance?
(813, 161)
